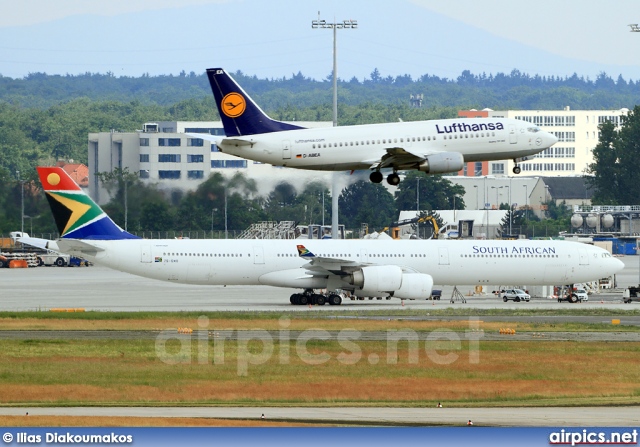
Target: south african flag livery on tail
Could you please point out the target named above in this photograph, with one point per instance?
(76, 215)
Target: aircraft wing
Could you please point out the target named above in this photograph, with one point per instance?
(398, 156)
(220, 140)
(322, 265)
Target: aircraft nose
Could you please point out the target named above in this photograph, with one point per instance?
(551, 139)
(618, 264)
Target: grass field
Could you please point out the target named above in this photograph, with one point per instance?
(64, 372)
(129, 372)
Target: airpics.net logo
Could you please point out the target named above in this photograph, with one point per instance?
(255, 347)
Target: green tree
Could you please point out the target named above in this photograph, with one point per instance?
(366, 202)
(436, 193)
(617, 162)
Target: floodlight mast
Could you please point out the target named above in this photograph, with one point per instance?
(345, 24)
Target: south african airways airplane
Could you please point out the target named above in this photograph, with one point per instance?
(433, 147)
(401, 269)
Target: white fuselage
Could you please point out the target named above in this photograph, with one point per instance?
(358, 147)
(276, 262)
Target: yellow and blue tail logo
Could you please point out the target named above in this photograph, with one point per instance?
(240, 115)
(304, 252)
(76, 215)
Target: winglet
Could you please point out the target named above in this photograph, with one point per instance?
(303, 252)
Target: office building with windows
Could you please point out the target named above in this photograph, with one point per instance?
(577, 132)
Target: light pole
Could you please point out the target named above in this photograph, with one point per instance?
(226, 234)
(418, 196)
(509, 208)
(346, 24)
(496, 188)
(477, 197)
(526, 202)
(21, 201)
(31, 224)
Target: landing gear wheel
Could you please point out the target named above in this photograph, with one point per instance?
(335, 300)
(517, 169)
(376, 177)
(303, 299)
(319, 299)
(393, 179)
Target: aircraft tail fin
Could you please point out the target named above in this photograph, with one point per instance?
(77, 216)
(239, 113)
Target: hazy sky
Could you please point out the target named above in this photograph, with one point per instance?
(274, 38)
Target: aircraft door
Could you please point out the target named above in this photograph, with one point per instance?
(443, 256)
(145, 253)
(513, 135)
(286, 150)
(258, 255)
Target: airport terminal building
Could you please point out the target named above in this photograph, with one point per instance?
(577, 132)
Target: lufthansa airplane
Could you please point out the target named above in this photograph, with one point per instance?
(434, 147)
(401, 269)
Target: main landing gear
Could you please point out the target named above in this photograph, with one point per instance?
(308, 297)
(392, 179)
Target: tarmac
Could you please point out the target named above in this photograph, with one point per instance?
(376, 416)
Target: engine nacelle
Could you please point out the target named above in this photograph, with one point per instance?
(376, 280)
(415, 286)
(442, 163)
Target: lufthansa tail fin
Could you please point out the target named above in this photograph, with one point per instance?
(76, 215)
(240, 115)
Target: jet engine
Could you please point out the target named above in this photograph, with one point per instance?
(374, 280)
(442, 163)
(415, 286)
(389, 279)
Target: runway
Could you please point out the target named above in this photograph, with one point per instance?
(100, 288)
(494, 417)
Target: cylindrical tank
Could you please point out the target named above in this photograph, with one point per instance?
(592, 220)
(576, 221)
(607, 221)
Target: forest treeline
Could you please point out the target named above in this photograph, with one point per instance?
(515, 90)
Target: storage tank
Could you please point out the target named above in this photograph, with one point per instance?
(576, 221)
(592, 220)
(607, 221)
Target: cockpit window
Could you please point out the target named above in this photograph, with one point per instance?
(533, 129)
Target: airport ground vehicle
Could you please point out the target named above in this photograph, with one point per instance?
(631, 294)
(516, 295)
(60, 260)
